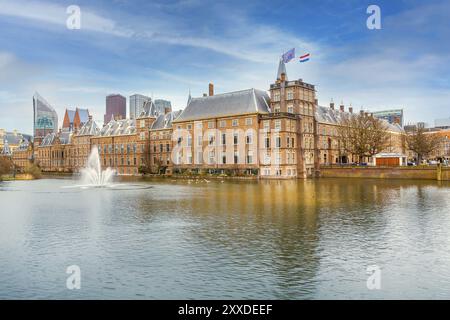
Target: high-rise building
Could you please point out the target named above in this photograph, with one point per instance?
(45, 118)
(442, 123)
(163, 106)
(116, 106)
(391, 116)
(137, 102)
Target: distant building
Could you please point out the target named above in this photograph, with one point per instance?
(45, 118)
(163, 106)
(442, 123)
(75, 119)
(12, 139)
(116, 107)
(391, 116)
(137, 102)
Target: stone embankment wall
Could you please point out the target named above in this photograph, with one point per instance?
(421, 173)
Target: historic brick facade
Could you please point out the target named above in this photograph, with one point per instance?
(285, 134)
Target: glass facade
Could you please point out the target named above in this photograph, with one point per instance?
(45, 118)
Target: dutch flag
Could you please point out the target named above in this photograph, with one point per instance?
(305, 57)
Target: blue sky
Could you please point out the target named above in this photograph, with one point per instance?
(165, 48)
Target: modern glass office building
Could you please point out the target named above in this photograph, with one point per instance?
(45, 118)
(391, 116)
(137, 102)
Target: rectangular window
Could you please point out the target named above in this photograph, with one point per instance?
(235, 138)
(249, 138)
(189, 126)
(199, 140)
(222, 123)
(211, 157)
(199, 157)
(142, 124)
(224, 139)
(267, 142)
(224, 158)
(211, 139)
(189, 140)
(248, 121)
(266, 125)
(290, 95)
(236, 157)
(278, 142)
(235, 122)
(290, 109)
(250, 157)
(210, 124)
(277, 124)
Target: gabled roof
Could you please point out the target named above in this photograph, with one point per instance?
(64, 137)
(83, 114)
(70, 114)
(330, 116)
(227, 104)
(118, 127)
(90, 128)
(164, 121)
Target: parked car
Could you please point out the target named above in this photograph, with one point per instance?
(410, 164)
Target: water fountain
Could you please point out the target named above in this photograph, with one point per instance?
(93, 175)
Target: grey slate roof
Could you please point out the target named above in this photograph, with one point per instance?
(118, 128)
(84, 115)
(334, 117)
(65, 137)
(71, 114)
(164, 121)
(221, 105)
(150, 110)
(90, 128)
(15, 138)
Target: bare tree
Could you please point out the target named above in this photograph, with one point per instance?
(422, 143)
(362, 135)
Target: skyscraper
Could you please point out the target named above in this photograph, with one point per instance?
(163, 106)
(137, 102)
(116, 106)
(45, 118)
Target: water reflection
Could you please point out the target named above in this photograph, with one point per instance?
(267, 239)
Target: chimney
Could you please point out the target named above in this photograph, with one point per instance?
(205, 95)
(341, 107)
(90, 118)
(211, 89)
(361, 112)
(332, 105)
(350, 109)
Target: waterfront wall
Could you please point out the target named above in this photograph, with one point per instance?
(420, 173)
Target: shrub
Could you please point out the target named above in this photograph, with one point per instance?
(33, 170)
(6, 166)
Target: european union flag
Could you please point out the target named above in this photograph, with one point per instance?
(288, 56)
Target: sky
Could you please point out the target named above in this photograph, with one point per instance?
(165, 48)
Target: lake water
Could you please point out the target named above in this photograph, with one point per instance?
(165, 239)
